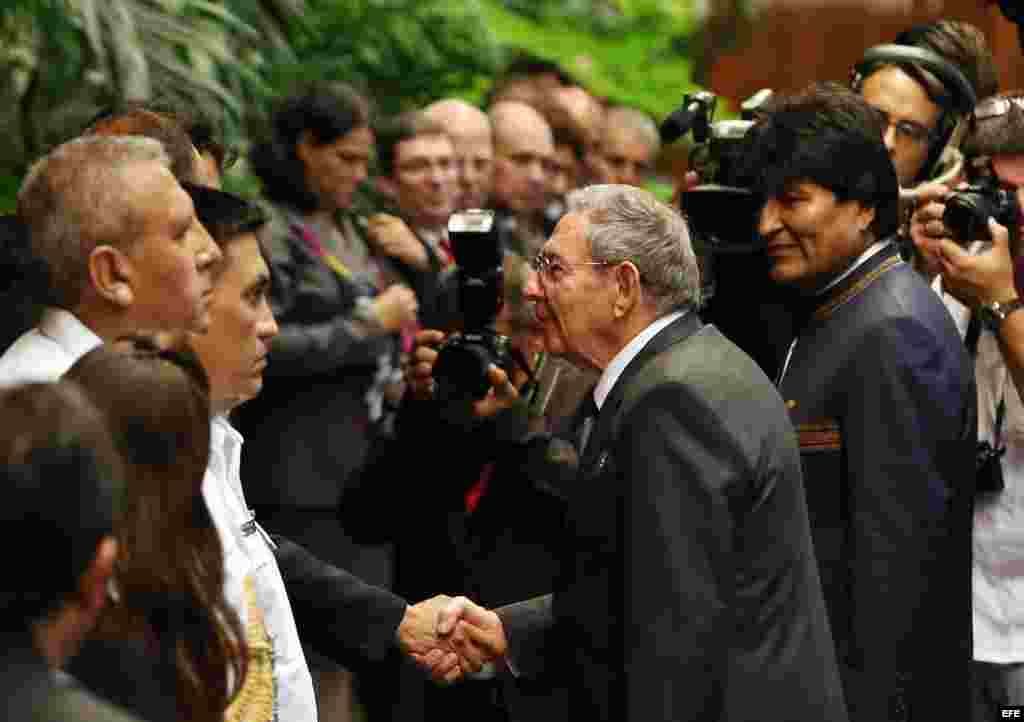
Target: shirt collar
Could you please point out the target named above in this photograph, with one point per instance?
(870, 252)
(63, 328)
(618, 364)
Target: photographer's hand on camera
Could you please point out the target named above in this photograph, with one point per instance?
(927, 228)
(504, 391)
(979, 278)
(395, 307)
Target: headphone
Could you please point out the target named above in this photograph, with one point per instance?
(961, 96)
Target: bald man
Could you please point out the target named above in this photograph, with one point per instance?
(523, 149)
(629, 144)
(586, 114)
(470, 131)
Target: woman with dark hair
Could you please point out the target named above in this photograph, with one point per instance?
(169, 593)
(341, 307)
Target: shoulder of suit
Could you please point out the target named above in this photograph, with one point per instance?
(706, 365)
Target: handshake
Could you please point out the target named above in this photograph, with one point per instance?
(450, 638)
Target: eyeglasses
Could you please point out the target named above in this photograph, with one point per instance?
(551, 268)
(907, 129)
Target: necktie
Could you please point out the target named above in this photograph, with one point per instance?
(588, 417)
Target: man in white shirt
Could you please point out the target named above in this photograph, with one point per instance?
(980, 273)
(146, 263)
(123, 248)
(234, 352)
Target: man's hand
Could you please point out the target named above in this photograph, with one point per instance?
(926, 227)
(419, 372)
(396, 307)
(417, 636)
(393, 238)
(979, 278)
(504, 391)
(474, 632)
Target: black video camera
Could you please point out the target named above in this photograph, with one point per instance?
(968, 210)
(722, 210)
(460, 372)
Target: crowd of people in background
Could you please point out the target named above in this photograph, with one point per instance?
(233, 494)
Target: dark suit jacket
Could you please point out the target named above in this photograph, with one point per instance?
(882, 394)
(691, 590)
(31, 692)
(321, 365)
(338, 614)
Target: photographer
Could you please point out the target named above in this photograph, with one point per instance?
(484, 522)
(979, 272)
(923, 101)
(465, 513)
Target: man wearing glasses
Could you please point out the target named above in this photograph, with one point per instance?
(922, 107)
(689, 589)
(982, 277)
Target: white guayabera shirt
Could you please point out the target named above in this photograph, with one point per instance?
(250, 565)
(44, 354)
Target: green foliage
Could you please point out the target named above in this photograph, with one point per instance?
(403, 53)
(625, 50)
(63, 60)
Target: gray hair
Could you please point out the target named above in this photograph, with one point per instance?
(629, 224)
(73, 199)
(637, 121)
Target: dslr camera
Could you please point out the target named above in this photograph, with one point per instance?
(722, 210)
(968, 210)
(460, 372)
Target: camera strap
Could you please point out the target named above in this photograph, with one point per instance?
(971, 340)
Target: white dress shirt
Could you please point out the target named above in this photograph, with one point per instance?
(45, 353)
(621, 360)
(248, 554)
(998, 570)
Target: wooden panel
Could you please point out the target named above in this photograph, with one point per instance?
(791, 44)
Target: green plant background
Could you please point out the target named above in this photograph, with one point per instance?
(61, 61)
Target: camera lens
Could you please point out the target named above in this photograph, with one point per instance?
(461, 371)
(966, 215)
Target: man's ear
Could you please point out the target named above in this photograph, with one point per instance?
(111, 273)
(865, 217)
(93, 584)
(627, 282)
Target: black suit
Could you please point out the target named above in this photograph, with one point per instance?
(336, 613)
(690, 589)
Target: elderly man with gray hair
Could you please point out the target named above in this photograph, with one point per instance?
(123, 246)
(690, 589)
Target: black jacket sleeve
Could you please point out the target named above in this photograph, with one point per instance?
(343, 617)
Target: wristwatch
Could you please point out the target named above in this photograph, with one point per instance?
(993, 314)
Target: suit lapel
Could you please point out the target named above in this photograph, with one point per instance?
(674, 333)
